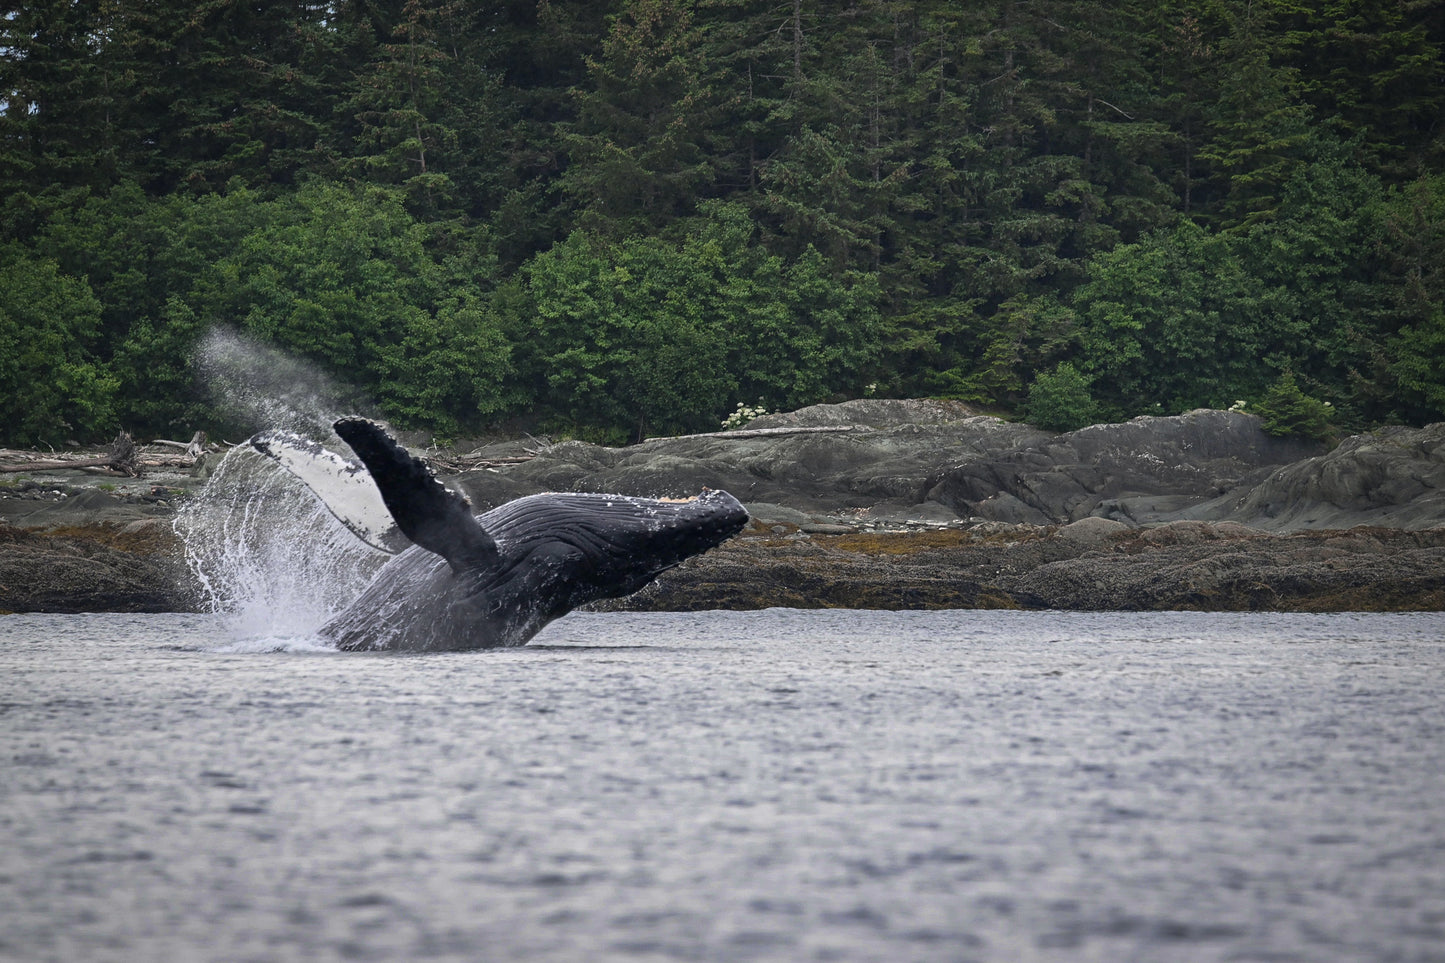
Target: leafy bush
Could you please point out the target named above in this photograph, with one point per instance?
(50, 387)
(1173, 320)
(658, 336)
(1060, 400)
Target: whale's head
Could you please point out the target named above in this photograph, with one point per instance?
(607, 546)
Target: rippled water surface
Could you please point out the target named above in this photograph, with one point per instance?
(730, 786)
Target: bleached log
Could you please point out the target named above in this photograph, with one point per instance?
(766, 432)
(120, 460)
(195, 447)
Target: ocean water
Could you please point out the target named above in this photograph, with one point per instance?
(779, 785)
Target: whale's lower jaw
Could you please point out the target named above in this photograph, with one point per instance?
(422, 635)
(416, 603)
(432, 614)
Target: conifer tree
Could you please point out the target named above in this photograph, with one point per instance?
(638, 150)
(1259, 129)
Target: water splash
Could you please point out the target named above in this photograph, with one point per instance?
(263, 549)
(268, 555)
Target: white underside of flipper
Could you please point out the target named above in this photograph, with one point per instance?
(345, 488)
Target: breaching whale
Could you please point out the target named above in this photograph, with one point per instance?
(491, 580)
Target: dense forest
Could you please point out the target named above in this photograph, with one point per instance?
(630, 217)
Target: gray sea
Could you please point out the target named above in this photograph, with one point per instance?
(779, 785)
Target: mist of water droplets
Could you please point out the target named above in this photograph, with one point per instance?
(263, 387)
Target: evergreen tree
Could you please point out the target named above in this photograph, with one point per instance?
(63, 91)
(1259, 129)
(1376, 66)
(1411, 256)
(537, 49)
(1286, 410)
(1185, 63)
(638, 149)
(425, 112)
(1322, 301)
(226, 89)
(1059, 400)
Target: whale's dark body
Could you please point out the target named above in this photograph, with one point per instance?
(496, 579)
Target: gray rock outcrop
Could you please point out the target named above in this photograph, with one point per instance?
(95, 568)
(937, 462)
(1391, 477)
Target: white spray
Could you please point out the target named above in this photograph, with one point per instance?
(265, 551)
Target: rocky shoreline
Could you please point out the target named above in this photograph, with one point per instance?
(1198, 566)
(896, 504)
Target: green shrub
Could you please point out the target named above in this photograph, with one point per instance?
(1286, 410)
(1060, 400)
(51, 387)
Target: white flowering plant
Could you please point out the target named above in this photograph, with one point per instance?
(744, 414)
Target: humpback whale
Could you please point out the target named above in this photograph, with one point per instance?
(461, 581)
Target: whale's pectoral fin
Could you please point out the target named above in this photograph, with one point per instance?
(428, 513)
(345, 488)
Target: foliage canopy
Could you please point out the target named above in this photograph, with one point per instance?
(632, 216)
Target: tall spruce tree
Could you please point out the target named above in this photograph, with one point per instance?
(401, 108)
(1376, 65)
(64, 90)
(638, 151)
(1259, 129)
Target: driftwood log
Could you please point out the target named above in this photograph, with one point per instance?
(123, 459)
(770, 432)
(194, 448)
(466, 463)
(476, 461)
